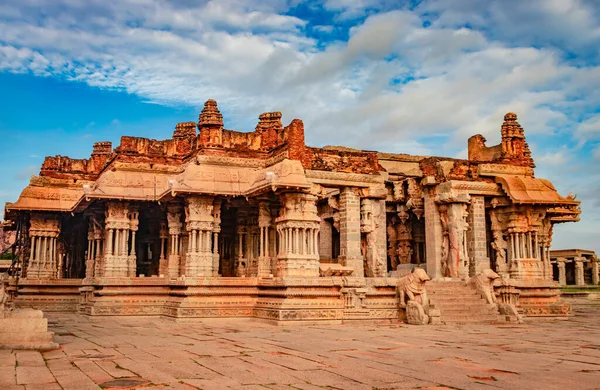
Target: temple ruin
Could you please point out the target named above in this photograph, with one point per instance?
(219, 223)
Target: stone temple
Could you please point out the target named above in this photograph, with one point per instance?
(219, 223)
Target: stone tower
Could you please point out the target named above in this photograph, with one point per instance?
(515, 150)
(210, 124)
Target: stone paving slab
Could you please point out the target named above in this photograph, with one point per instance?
(149, 353)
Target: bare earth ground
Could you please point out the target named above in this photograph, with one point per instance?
(243, 354)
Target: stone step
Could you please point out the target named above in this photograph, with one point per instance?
(461, 304)
(471, 310)
(454, 297)
(490, 320)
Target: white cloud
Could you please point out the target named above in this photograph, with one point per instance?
(589, 129)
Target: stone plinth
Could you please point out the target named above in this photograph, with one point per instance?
(25, 329)
(527, 269)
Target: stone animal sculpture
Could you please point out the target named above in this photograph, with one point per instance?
(3, 294)
(479, 152)
(413, 297)
(484, 284)
(412, 288)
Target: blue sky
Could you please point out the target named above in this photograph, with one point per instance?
(414, 77)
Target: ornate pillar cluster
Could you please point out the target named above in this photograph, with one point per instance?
(297, 229)
(526, 235)
(265, 226)
(199, 225)
(251, 247)
(173, 248)
(95, 255)
(44, 254)
(119, 254)
(373, 225)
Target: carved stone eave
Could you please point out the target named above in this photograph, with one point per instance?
(564, 214)
(460, 191)
(49, 198)
(529, 190)
(130, 185)
(503, 169)
(342, 179)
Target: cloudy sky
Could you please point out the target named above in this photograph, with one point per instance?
(414, 77)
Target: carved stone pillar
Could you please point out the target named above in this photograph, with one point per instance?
(264, 224)
(350, 254)
(173, 249)
(373, 224)
(90, 259)
(95, 242)
(133, 217)
(43, 258)
(455, 260)
(199, 224)
(163, 263)
(477, 236)
(298, 227)
(216, 230)
(435, 235)
(595, 276)
(241, 261)
(116, 263)
(579, 276)
(562, 273)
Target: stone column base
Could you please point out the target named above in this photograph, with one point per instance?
(527, 269)
(25, 329)
(297, 266)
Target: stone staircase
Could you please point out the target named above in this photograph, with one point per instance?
(460, 304)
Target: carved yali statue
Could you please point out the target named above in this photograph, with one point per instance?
(412, 288)
(484, 284)
(3, 295)
(413, 297)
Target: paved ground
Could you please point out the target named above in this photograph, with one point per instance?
(241, 354)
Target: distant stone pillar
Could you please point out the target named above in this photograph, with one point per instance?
(43, 232)
(350, 254)
(579, 277)
(562, 272)
(297, 218)
(595, 275)
(477, 236)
